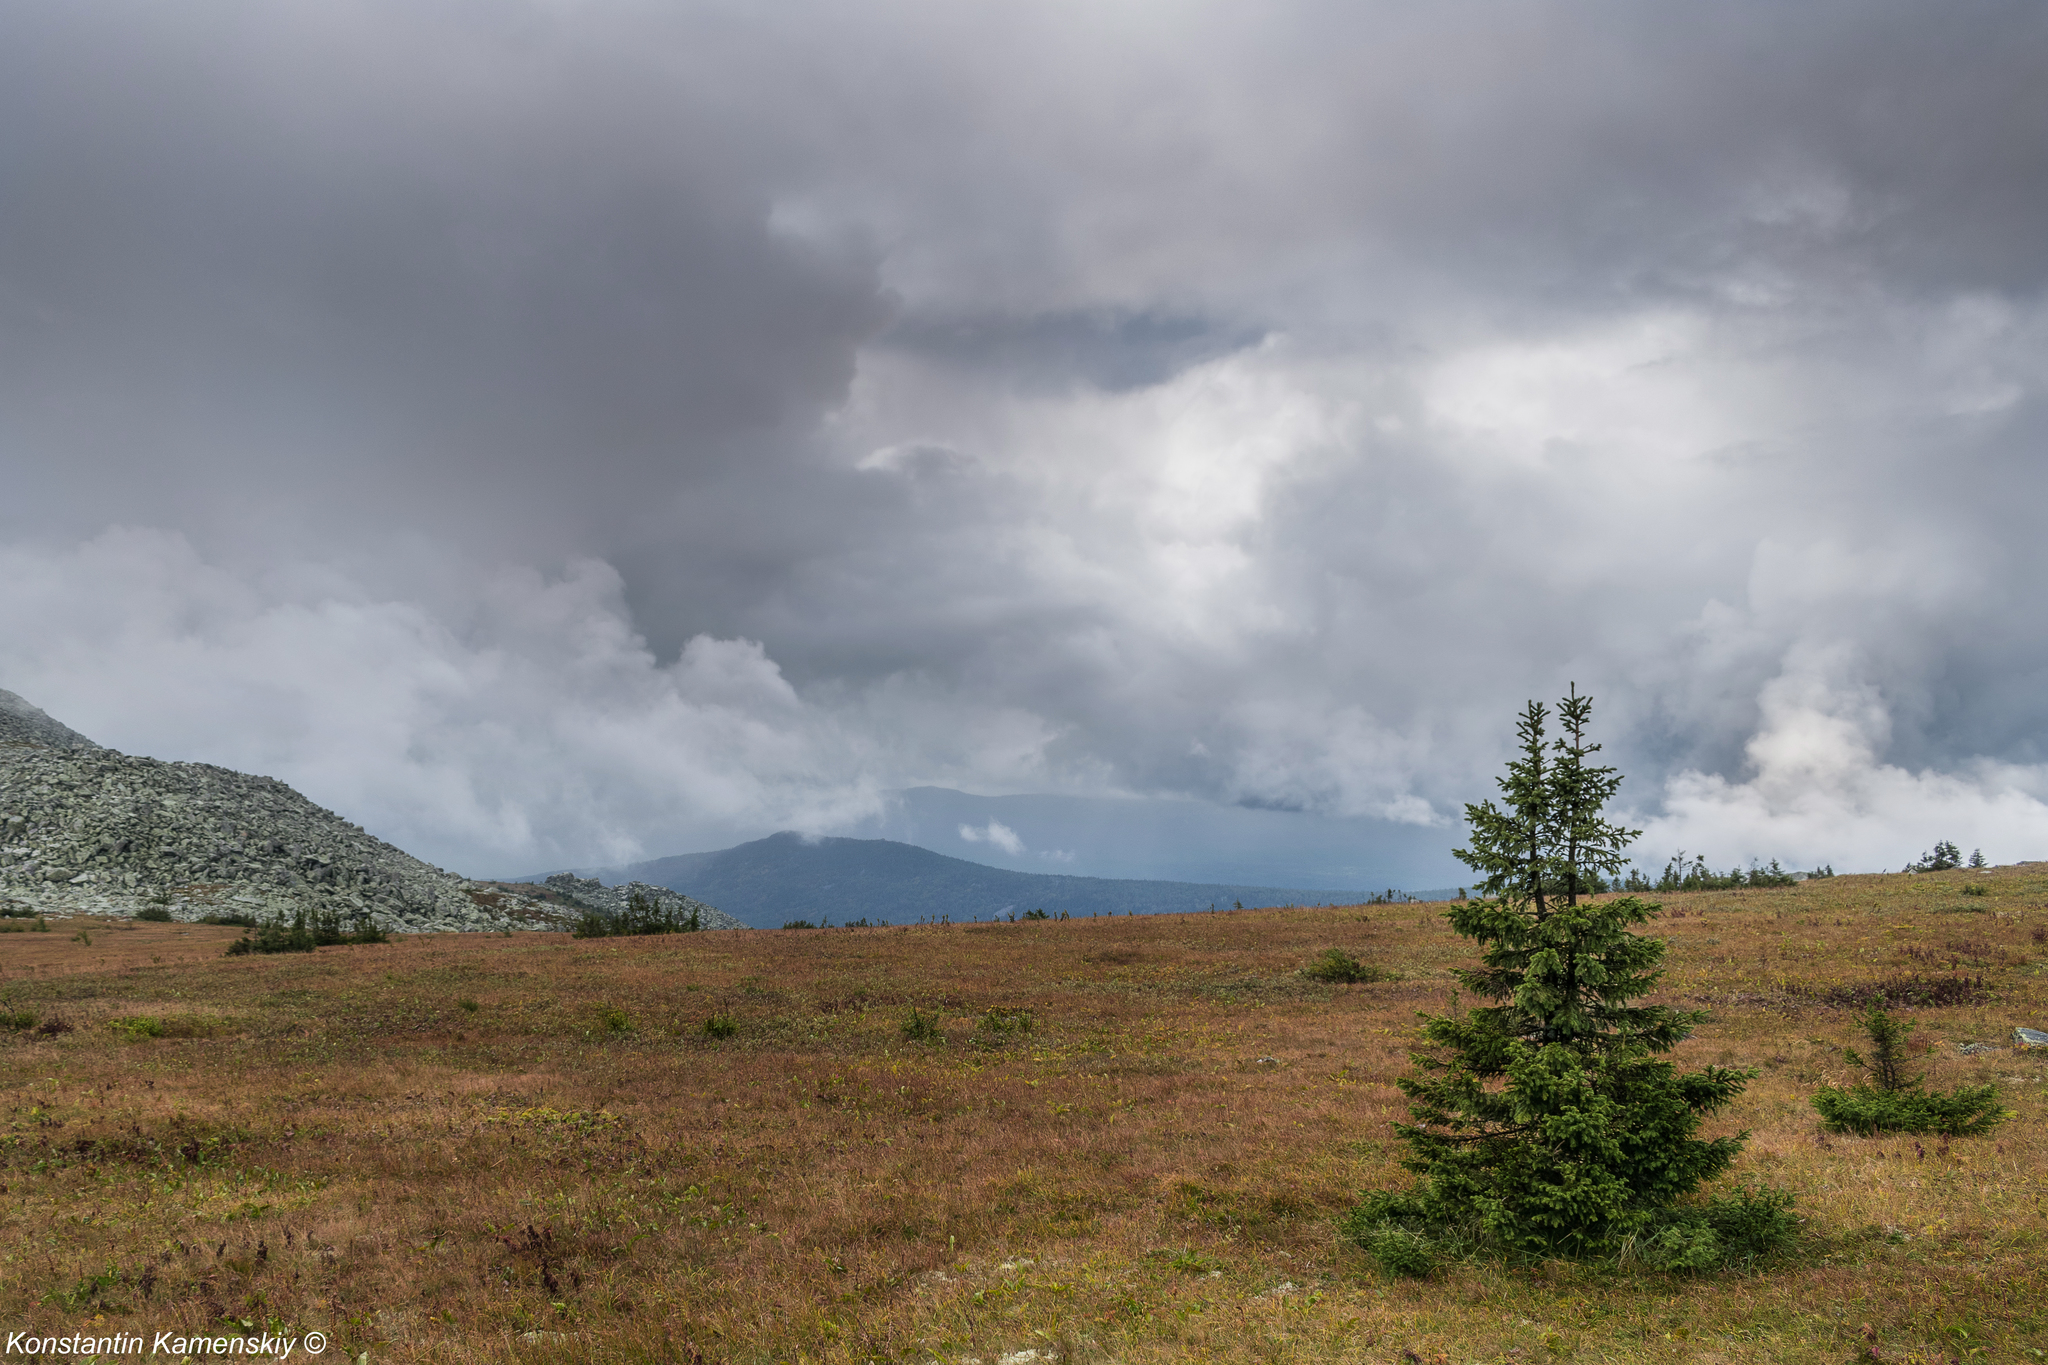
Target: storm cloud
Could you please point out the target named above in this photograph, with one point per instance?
(556, 434)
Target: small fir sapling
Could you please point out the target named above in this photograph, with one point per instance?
(1892, 1102)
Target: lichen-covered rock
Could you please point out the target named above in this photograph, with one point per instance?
(612, 900)
(88, 830)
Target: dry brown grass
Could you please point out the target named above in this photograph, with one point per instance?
(335, 1140)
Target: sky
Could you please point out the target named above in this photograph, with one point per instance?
(554, 434)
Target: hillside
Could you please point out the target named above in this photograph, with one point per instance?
(786, 877)
(89, 830)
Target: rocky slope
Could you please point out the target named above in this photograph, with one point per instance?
(26, 723)
(89, 830)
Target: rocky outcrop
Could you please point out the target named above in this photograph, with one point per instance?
(22, 722)
(88, 830)
(592, 894)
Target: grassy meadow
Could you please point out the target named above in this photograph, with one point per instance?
(1118, 1140)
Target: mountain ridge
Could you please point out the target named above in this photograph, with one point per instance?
(786, 876)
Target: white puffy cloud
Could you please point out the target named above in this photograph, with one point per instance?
(1817, 788)
(541, 731)
(997, 833)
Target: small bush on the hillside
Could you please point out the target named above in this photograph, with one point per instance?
(721, 1026)
(467, 1005)
(276, 937)
(365, 930)
(18, 912)
(84, 935)
(642, 915)
(798, 924)
(1963, 1112)
(234, 918)
(1978, 889)
(1186, 1260)
(153, 914)
(138, 1026)
(1036, 914)
(614, 1020)
(1892, 1102)
(1339, 967)
(998, 1026)
(14, 1021)
(919, 1027)
(303, 934)
(1736, 1229)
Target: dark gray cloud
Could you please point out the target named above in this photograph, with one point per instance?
(1110, 349)
(574, 433)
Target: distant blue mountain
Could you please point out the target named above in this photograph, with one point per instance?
(1166, 840)
(785, 877)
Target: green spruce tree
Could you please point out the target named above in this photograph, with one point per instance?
(1545, 1120)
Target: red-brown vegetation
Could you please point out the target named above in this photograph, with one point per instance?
(492, 1148)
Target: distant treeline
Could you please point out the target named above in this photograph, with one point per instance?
(1689, 872)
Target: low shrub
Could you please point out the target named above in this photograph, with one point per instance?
(1892, 1102)
(721, 1026)
(798, 924)
(614, 1020)
(467, 1005)
(138, 1026)
(998, 1026)
(14, 1021)
(1722, 1232)
(153, 914)
(322, 930)
(1339, 967)
(641, 916)
(1977, 889)
(919, 1027)
(234, 918)
(1868, 1111)
(1186, 1260)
